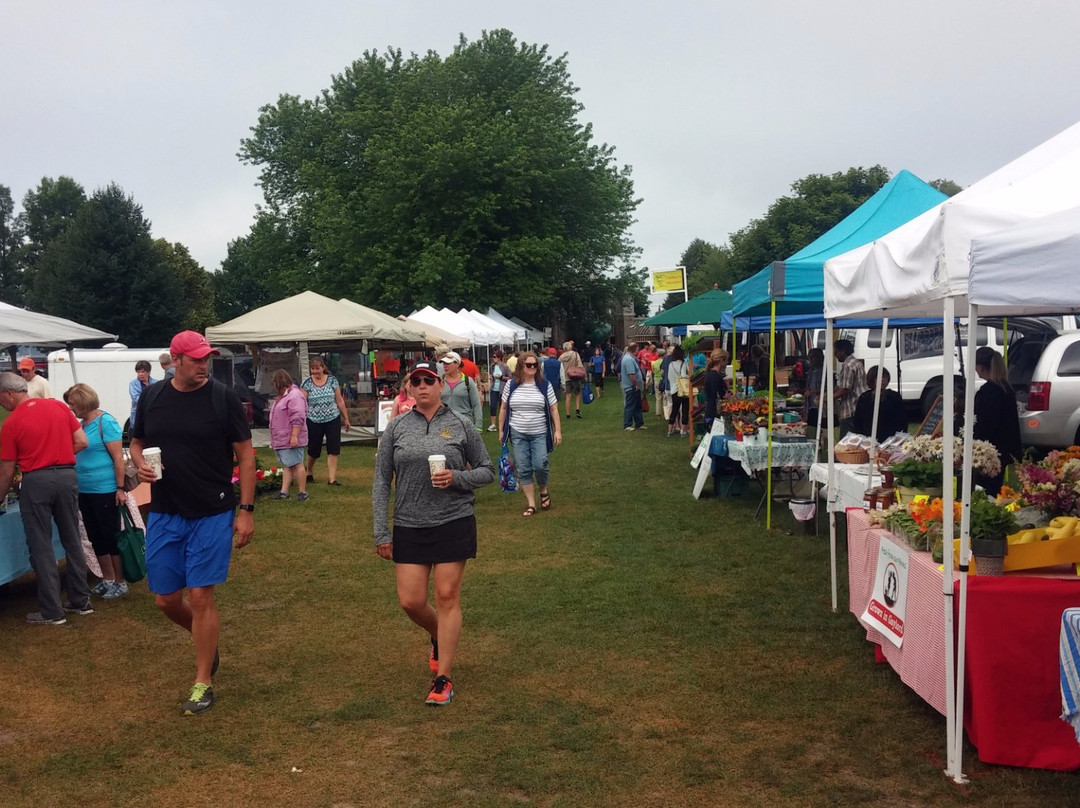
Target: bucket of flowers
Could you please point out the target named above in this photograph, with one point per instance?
(267, 480)
(918, 468)
(1051, 485)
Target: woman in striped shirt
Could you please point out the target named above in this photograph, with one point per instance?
(529, 419)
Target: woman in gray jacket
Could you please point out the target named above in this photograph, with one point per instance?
(460, 393)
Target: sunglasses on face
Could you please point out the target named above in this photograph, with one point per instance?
(530, 364)
(416, 381)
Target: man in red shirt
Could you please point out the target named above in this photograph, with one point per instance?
(469, 368)
(42, 436)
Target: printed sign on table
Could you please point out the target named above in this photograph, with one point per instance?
(888, 602)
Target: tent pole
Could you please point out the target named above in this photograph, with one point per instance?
(768, 427)
(877, 399)
(826, 400)
(949, 330)
(71, 361)
(965, 541)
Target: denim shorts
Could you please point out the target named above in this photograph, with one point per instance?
(184, 552)
(290, 457)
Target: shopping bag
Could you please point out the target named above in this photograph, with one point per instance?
(132, 544)
(644, 403)
(586, 393)
(507, 480)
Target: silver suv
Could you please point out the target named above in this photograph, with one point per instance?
(1045, 372)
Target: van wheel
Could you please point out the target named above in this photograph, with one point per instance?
(929, 396)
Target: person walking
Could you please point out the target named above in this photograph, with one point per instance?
(99, 469)
(500, 375)
(573, 370)
(663, 400)
(434, 526)
(289, 433)
(599, 369)
(42, 437)
(199, 426)
(326, 417)
(529, 422)
(142, 380)
(460, 393)
(678, 382)
(551, 369)
(36, 385)
(630, 382)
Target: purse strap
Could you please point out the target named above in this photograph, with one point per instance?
(127, 522)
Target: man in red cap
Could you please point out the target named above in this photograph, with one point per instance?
(198, 425)
(36, 386)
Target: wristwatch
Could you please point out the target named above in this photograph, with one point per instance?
(248, 508)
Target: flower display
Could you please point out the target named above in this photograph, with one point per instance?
(747, 408)
(1051, 485)
(919, 462)
(267, 480)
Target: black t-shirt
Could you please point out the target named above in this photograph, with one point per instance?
(196, 449)
(715, 390)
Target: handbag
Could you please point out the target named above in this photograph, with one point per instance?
(576, 372)
(507, 479)
(131, 541)
(586, 393)
(682, 383)
(131, 474)
(644, 402)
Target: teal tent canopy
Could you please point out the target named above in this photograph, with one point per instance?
(797, 285)
(704, 309)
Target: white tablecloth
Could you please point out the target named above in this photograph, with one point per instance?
(754, 456)
(851, 483)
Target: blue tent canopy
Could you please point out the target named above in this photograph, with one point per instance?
(791, 322)
(797, 285)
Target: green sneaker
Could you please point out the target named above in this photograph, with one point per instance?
(200, 700)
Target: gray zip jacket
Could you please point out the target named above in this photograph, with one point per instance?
(464, 399)
(403, 456)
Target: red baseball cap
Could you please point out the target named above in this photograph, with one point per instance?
(191, 343)
(26, 363)
(552, 352)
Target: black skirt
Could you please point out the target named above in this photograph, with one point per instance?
(441, 544)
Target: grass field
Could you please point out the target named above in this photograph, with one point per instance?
(631, 647)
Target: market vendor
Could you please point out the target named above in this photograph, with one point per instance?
(892, 413)
(996, 418)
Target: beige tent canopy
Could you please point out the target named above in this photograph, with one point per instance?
(311, 317)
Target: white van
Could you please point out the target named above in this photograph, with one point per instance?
(920, 379)
(108, 370)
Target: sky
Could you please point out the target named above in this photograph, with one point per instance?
(717, 107)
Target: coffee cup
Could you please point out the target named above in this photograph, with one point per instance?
(436, 463)
(152, 458)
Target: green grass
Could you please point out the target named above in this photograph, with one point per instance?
(631, 647)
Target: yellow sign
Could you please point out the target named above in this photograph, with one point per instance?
(668, 280)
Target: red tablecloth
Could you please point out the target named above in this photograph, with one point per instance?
(1012, 696)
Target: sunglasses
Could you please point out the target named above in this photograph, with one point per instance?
(530, 364)
(416, 381)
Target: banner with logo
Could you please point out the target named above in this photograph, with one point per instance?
(668, 280)
(888, 602)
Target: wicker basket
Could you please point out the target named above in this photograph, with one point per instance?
(851, 454)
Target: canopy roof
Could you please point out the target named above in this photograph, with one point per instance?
(704, 309)
(909, 271)
(433, 335)
(1047, 248)
(384, 326)
(465, 328)
(797, 285)
(306, 317)
(498, 332)
(22, 327)
(520, 332)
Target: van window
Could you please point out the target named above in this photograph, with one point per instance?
(929, 340)
(1070, 361)
(873, 338)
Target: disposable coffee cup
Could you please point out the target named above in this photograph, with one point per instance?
(152, 458)
(436, 463)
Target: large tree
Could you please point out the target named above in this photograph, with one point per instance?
(104, 271)
(460, 181)
(196, 298)
(11, 275)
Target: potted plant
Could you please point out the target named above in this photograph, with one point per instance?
(913, 477)
(991, 524)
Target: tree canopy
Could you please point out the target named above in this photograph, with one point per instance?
(467, 181)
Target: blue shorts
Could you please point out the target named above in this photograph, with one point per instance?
(187, 552)
(290, 457)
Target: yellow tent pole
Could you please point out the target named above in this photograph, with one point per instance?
(768, 428)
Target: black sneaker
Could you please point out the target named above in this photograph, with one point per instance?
(86, 608)
(38, 619)
(200, 700)
(579, 414)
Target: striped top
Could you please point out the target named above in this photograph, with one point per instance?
(527, 414)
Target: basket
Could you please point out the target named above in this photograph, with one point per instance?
(851, 454)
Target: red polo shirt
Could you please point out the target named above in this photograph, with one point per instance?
(38, 433)
(469, 368)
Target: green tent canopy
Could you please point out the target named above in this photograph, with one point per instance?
(701, 310)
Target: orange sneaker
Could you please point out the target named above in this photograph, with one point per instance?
(442, 691)
(433, 657)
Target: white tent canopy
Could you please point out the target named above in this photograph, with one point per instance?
(455, 324)
(306, 317)
(503, 334)
(385, 327)
(926, 259)
(1047, 249)
(433, 334)
(22, 327)
(520, 333)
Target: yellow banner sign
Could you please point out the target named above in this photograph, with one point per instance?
(668, 280)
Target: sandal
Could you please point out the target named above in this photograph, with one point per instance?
(545, 500)
(529, 511)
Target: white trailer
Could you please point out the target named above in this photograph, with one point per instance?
(107, 370)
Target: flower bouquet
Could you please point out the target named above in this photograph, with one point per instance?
(1051, 485)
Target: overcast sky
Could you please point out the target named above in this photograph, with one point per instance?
(718, 107)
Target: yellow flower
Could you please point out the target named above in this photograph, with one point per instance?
(922, 499)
